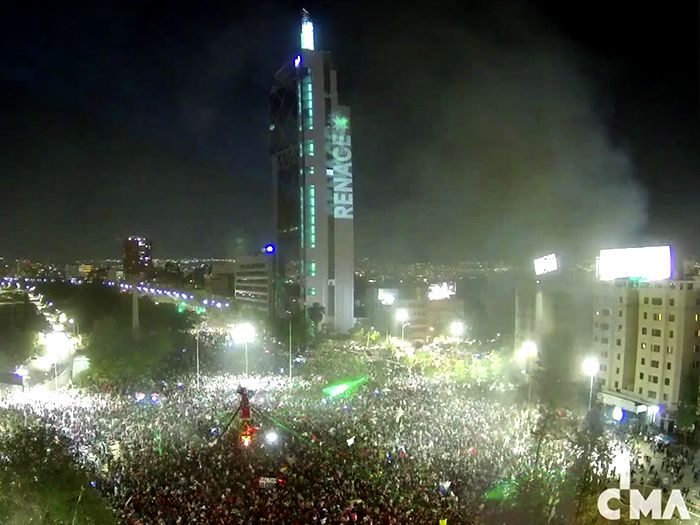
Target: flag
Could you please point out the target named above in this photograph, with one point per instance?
(351, 441)
(443, 522)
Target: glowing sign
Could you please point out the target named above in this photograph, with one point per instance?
(546, 264)
(650, 263)
(307, 31)
(297, 62)
(438, 292)
(340, 164)
(387, 296)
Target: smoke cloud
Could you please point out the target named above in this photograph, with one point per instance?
(489, 140)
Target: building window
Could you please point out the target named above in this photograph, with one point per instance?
(655, 332)
(667, 381)
(641, 375)
(655, 379)
(617, 370)
(619, 314)
(312, 216)
(604, 340)
(644, 315)
(606, 311)
(619, 342)
(312, 268)
(656, 301)
(697, 333)
(309, 147)
(644, 330)
(643, 346)
(646, 301)
(668, 366)
(311, 291)
(616, 384)
(665, 397)
(654, 364)
(620, 299)
(656, 348)
(618, 357)
(671, 318)
(669, 349)
(670, 334)
(640, 390)
(619, 328)
(671, 302)
(651, 394)
(696, 348)
(658, 317)
(643, 361)
(605, 326)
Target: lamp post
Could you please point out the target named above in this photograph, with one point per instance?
(290, 350)
(526, 353)
(243, 333)
(199, 331)
(402, 317)
(590, 367)
(75, 325)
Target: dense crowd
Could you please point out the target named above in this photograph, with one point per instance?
(409, 450)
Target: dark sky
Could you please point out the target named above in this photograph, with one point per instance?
(497, 129)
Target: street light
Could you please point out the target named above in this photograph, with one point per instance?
(199, 331)
(525, 354)
(271, 437)
(456, 328)
(402, 317)
(590, 367)
(243, 333)
(57, 349)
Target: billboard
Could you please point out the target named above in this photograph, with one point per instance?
(439, 291)
(546, 264)
(650, 263)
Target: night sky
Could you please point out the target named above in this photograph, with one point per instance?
(492, 130)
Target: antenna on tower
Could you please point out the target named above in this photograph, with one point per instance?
(307, 30)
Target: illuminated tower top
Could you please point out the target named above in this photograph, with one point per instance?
(307, 30)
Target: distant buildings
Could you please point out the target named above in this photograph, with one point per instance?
(311, 155)
(247, 279)
(138, 259)
(425, 318)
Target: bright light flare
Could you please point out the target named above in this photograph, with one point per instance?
(271, 438)
(590, 366)
(242, 333)
(402, 315)
(456, 328)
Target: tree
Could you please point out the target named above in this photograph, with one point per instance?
(316, 312)
(688, 402)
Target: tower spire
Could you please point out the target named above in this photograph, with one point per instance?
(307, 30)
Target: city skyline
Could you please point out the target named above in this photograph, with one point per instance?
(163, 130)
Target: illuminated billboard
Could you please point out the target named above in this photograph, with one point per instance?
(387, 296)
(650, 263)
(437, 292)
(546, 264)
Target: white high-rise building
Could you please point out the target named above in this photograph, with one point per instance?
(311, 153)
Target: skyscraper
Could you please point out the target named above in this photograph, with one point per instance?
(137, 256)
(311, 154)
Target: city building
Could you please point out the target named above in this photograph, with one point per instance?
(138, 258)
(247, 279)
(647, 337)
(311, 154)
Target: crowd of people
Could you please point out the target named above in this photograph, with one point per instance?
(406, 451)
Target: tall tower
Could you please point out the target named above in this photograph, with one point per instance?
(311, 153)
